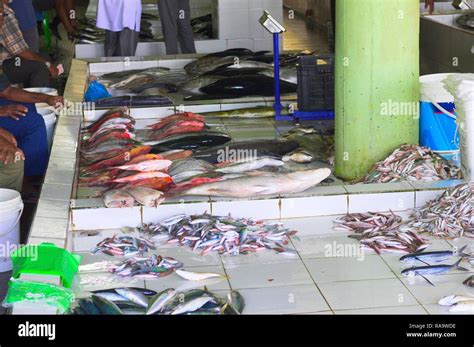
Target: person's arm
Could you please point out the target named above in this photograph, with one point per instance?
(20, 95)
(64, 15)
(9, 152)
(30, 55)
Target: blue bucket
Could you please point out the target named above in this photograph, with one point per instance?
(437, 130)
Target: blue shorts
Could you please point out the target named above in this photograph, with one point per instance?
(30, 133)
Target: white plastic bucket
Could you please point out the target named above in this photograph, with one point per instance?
(461, 87)
(50, 118)
(48, 91)
(432, 90)
(11, 209)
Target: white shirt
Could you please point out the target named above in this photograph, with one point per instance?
(115, 15)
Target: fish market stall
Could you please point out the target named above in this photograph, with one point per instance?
(167, 215)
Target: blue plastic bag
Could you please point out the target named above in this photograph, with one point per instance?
(96, 91)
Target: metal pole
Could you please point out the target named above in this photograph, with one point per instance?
(276, 66)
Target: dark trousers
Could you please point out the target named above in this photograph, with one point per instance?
(30, 133)
(175, 18)
(121, 43)
(32, 74)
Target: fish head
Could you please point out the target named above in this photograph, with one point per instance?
(408, 272)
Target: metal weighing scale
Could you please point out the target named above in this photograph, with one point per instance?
(276, 29)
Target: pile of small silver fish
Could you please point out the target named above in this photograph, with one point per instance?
(379, 231)
(124, 246)
(138, 301)
(448, 216)
(412, 163)
(146, 267)
(225, 235)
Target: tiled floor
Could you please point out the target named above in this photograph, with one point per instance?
(318, 280)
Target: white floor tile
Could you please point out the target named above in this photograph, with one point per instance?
(284, 300)
(348, 269)
(312, 226)
(402, 310)
(262, 257)
(438, 309)
(267, 275)
(325, 246)
(444, 285)
(366, 294)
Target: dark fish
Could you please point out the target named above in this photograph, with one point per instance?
(237, 52)
(105, 306)
(260, 148)
(134, 101)
(190, 141)
(230, 72)
(239, 86)
(88, 307)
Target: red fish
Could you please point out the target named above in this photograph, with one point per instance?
(120, 159)
(175, 117)
(116, 113)
(180, 127)
(141, 176)
(158, 183)
(145, 157)
(177, 154)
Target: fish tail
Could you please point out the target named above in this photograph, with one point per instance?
(462, 254)
(460, 268)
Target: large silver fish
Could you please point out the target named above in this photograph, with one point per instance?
(279, 183)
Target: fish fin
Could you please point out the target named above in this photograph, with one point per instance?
(461, 252)
(457, 267)
(427, 280)
(424, 262)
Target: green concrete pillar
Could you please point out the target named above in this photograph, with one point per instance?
(377, 81)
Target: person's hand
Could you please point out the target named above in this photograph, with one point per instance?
(13, 111)
(55, 101)
(53, 71)
(10, 153)
(430, 4)
(8, 136)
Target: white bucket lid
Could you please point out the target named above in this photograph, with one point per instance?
(9, 200)
(432, 88)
